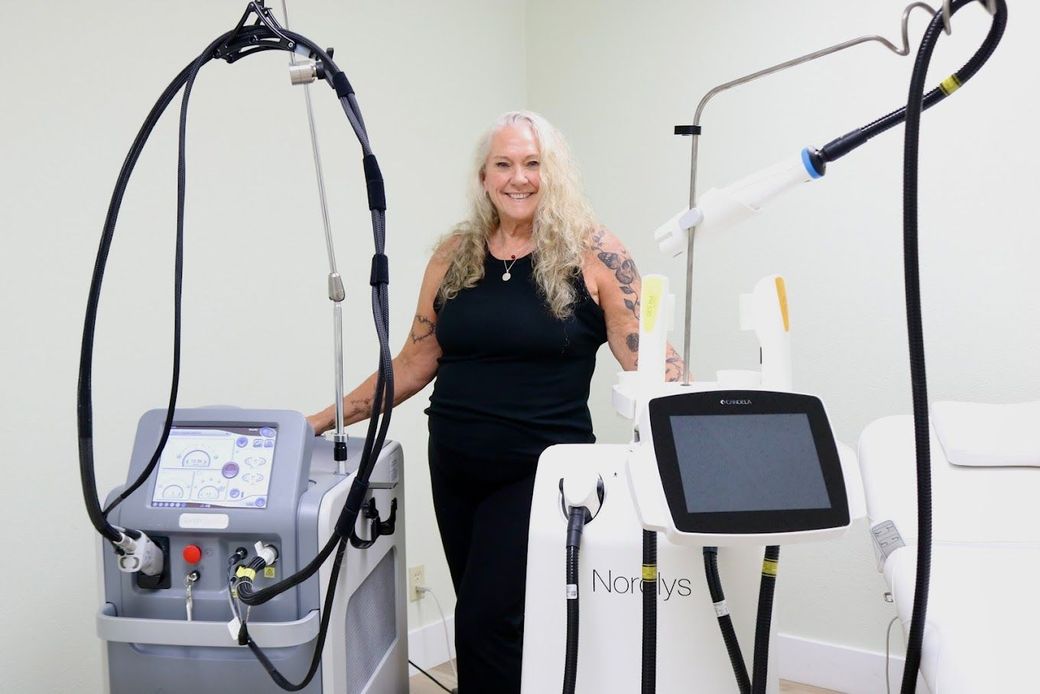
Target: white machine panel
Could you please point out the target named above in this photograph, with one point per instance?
(690, 649)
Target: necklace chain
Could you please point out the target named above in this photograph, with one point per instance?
(509, 266)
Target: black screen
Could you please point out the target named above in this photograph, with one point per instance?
(748, 462)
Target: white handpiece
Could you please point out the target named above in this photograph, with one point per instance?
(765, 311)
(140, 554)
(723, 207)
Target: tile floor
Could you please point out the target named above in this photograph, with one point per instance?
(421, 685)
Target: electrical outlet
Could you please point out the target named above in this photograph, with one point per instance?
(416, 578)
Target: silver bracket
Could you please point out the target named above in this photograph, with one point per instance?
(947, 13)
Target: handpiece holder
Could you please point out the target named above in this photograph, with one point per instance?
(764, 310)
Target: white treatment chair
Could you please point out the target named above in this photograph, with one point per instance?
(984, 600)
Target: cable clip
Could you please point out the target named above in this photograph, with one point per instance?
(378, 527)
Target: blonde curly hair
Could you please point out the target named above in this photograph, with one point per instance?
(563, 221)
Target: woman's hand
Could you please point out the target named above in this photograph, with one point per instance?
(322, 421)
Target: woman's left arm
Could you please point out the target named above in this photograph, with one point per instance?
(614, 281)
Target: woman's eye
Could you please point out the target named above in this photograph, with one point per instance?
(533, 163)
(502, 165)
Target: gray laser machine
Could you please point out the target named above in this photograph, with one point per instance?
(257, 480)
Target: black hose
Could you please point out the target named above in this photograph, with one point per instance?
(729, 634)
(760, 665)
(84, 410)
(326, 615)
(577, 517)
(649, 670)
(841, 146)
(915, 330)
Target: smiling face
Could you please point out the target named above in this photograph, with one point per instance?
(511, 176)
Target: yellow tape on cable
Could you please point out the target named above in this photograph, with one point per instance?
(769, 567)
(245, 572)
(950, 85)
(649, 572)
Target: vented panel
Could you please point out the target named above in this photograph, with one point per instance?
(371, 623)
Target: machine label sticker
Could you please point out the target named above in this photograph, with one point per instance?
(269, 572)
(886, 539)
(621, 584)
(204, 521)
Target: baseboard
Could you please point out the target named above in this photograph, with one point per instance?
(427, 647)
(817, 663)
(837, 667)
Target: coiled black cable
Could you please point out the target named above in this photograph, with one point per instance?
(729, 634)
(577, 517)
(648, 678)
(760, 665)
(919, 385)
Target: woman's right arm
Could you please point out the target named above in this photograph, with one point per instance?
(414, 366)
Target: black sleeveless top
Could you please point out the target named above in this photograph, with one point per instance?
(513, 379)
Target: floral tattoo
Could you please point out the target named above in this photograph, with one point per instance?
(625, 272)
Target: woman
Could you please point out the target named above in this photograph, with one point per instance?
(513, 307)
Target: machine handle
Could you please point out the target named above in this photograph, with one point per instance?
(179, 632)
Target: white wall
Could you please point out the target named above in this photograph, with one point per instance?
(617, 76)
(78, 81)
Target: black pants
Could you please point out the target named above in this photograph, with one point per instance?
(483, 508)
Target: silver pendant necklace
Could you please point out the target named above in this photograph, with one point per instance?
(509, 266)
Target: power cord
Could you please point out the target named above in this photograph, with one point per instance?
(888, 651)
(423, 591)
(434, 679)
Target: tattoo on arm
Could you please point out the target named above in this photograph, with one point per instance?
(360, 406)
(632, 340)
(626, 273)
(673, 366)
(422, 329)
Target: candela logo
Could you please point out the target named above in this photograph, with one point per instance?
(734, 402)
(620, 584)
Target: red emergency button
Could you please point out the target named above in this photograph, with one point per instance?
(192, 554)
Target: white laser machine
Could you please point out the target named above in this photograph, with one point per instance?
(727, 465)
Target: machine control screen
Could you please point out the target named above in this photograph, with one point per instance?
(759, 462)
(215, 467)
(748, 462)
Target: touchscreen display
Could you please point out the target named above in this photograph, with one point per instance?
(748, 462)
(222, 467)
